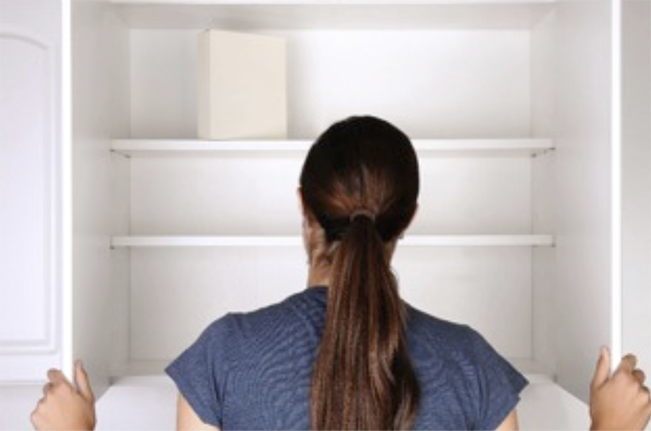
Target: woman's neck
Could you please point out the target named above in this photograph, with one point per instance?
(318, 275)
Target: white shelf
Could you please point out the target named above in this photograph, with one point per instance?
(263, 15)
(478, 241)
(146, 402)
(177, 147)
(459, 147)
(152, 369)
(295, 241)
(206, 241)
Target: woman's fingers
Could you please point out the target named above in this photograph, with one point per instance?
(602, 371)
(639, 375)
(82, 382)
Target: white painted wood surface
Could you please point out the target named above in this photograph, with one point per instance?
(636, 167)
(30, 188)
(297, 241)
(424, 147)
(365, 14)
(100, 95)
(456, 91)
(474, 85)
(583, 261)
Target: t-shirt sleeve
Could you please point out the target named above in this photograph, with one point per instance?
(497, 382)
(200, 372)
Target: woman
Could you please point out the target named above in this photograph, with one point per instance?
(347, 352)
(371, 361)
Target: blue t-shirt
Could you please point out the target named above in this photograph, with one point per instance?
(253, 370)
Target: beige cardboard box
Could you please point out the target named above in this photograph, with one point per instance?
(242, 86)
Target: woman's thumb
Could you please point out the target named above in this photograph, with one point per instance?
(602, 371)
(82, 382)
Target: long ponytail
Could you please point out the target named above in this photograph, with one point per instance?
(360, 183)
(363, 379)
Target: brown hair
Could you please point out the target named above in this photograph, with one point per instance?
(360, 182)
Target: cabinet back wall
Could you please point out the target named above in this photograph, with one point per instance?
(469, 83)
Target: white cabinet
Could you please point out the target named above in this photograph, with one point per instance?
(514, 108)
(31, 217)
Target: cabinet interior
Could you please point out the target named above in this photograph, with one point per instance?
(475, 85)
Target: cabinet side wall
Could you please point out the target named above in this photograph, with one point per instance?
(100, 111)
(636, 179)
(544, 188)
(582, 295)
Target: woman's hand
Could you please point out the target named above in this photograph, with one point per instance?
(65, 406)
(619, 401)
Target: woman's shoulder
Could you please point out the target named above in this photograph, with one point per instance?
(424, 324)
(460, 371)
(455, 340)
(291, 315)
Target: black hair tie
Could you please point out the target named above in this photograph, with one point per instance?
(362, 213)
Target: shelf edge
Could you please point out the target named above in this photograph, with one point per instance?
(295, 241)
(170, 147)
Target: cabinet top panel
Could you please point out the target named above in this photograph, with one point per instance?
(302, 15)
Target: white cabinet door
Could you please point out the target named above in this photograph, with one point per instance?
(30, 188)
(636, 179)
